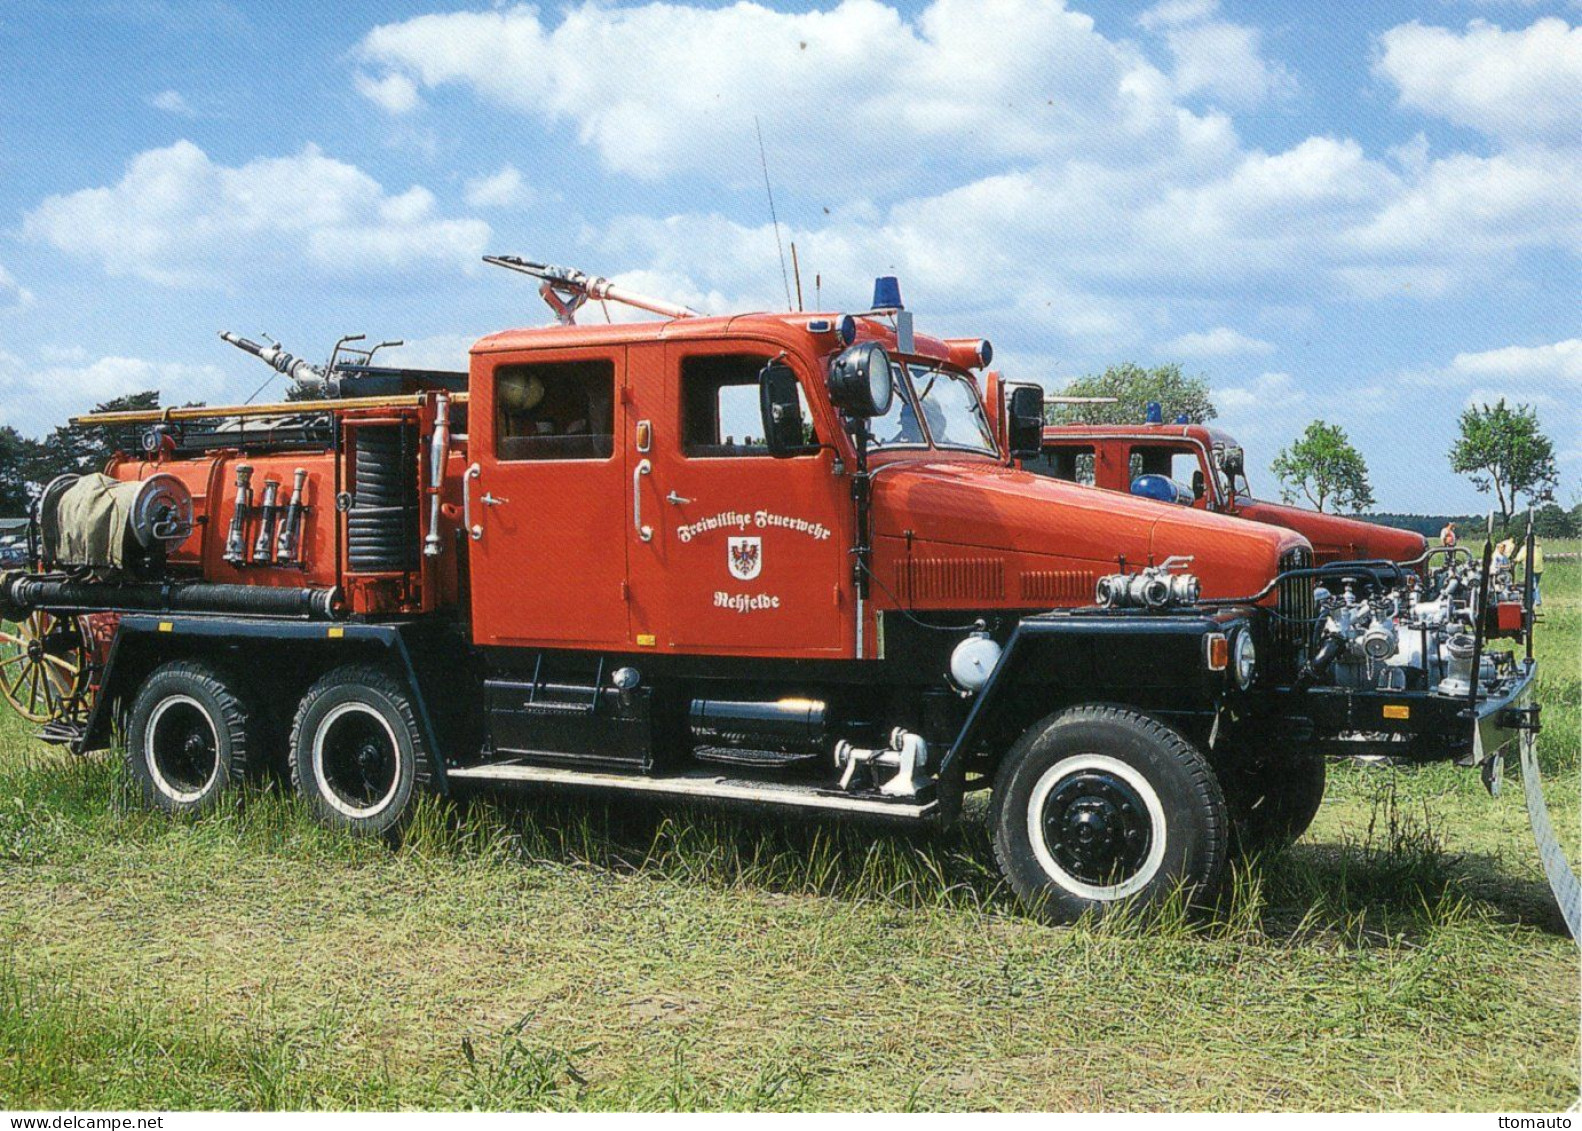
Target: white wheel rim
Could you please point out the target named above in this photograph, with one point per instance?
(326, 790)
(151, 756)
(1046, 859)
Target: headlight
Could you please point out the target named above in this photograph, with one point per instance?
(1246, 660)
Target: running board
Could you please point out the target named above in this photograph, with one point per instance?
(699, 785)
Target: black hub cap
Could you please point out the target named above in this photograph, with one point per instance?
(360, 765)
(1097, 827)
(182, 748)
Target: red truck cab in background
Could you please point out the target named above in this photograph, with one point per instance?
(1203, 467)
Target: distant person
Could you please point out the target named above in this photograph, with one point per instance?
(1534, 567)
(1502, 555)
(1447, 536)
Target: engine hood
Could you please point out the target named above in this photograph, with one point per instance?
(1334, 537)
(1037, 523)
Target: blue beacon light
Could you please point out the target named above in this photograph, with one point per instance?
(887, 293)
(1156, 413)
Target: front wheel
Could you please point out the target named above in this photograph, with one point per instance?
(1096, 807)
(357, 752)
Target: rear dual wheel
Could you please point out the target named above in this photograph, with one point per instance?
(357, 752)
(1099, 807)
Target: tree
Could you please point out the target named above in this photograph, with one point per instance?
(17, 455)
(1324, 466)
(1133, 387)
(83, 450)
(1503, 450)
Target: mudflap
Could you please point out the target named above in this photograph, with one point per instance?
(1562, 880)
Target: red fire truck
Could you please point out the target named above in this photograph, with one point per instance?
(774, 559)
(1196, 465)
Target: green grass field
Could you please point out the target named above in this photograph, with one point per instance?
(560, 954)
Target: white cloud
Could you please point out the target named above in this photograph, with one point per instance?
(1267, 391)
(1221, 341)
(1558, 362)
(662, 88)
(393, 93)
(503, 189)
(42, 394)
(1215, 58)
(177, 218)
(172, 102)
(1520, 86)
(12, 293)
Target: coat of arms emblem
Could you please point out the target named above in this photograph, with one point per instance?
(745, 556)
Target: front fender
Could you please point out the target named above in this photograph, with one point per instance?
(1154, 662)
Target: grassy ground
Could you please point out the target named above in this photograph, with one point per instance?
(557, 954)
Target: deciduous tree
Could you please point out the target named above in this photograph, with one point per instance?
(1133, 387)
(1505, 452)
(1323, 467)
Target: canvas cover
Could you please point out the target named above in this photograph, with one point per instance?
(89, 524)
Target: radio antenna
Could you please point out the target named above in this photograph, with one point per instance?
(763, 160)
(796, 271)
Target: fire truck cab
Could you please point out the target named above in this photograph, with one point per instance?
(1197, 465)
(777, 559)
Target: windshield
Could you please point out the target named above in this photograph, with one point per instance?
(952, 415)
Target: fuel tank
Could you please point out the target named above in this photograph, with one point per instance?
(1334, 537)
(970, 534)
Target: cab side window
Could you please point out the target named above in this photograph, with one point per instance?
(1072, 462)
(555, 410)
(720, 416)
(1180, 466)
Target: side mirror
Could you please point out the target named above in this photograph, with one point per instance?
(1233, 463)
(1024, 429)
(785, 433)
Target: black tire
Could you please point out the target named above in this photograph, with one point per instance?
(191, 737)
(1097, 807)
(1272, 799)
(357, 752)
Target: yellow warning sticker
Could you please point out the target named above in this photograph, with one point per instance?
(646, 639)
(1397, 711)
(337, 633)
(166, 626)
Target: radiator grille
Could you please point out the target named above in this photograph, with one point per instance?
(951, 579)
(1058, 586)
(1296, 607)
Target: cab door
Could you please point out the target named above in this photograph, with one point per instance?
(733, 552)
(548, 499)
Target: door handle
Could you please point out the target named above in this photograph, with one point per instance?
(643, 467)
(676, 499)
(474, 531)
(489, 500)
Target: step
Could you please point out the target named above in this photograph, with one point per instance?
(700, 784)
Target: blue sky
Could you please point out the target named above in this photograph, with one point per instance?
(1368, 214)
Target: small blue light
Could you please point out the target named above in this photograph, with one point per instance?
(1156, 413)
(887, 293)
(1181, 418)
(848, 329)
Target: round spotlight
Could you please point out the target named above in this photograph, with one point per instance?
(860, 382)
